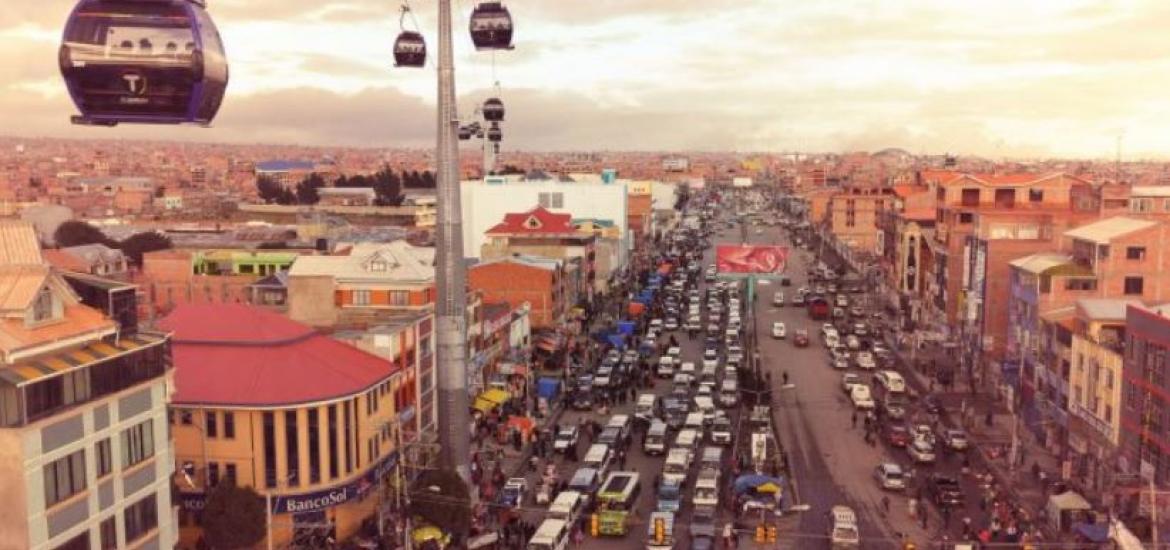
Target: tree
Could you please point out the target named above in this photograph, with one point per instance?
(443, 499)
(388, 188)
(270, 190)
(76, 233)
(138, 244)
(307, 189)
(233, 517)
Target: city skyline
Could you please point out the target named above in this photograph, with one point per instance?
(1053, 79)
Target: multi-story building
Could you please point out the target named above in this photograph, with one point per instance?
(539, 232)
(1145, 443)
(1095, 382)
(327, 291)
(94, 259)
(85, 454)
(549, 286)
(310, 422)
(1125, 255)
(853, 214)
(174, 277)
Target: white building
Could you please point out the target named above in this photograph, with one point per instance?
(486, 202)
(86, 459)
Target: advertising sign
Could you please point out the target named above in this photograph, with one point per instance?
(750, 259)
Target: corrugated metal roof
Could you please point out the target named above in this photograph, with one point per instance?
(1040, 262)
(19, 285)
(1101, 232)
(18, 244)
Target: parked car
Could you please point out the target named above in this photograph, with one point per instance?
(955, 440)
(779, 331)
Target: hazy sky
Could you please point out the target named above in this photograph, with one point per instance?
(992, 77)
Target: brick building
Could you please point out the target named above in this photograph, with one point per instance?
(548, 285)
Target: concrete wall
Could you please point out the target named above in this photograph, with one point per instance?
(311, 300)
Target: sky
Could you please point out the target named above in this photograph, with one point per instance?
(998, 78)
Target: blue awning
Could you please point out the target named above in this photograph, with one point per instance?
(1095, 532)
(548, 387)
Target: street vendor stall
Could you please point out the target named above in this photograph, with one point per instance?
(490, 399)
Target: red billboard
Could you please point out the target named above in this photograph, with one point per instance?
(751, 259)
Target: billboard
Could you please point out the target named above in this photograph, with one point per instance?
(750, 259)
(741, 182)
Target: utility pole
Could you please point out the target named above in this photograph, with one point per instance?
(450, 271)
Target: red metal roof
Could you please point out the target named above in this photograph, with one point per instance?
(239, 355)
(543, 222)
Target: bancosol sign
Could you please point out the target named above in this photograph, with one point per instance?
(315, 501)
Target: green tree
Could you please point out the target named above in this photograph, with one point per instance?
(270, 190)
(138, 244)
(307, 189)
(233, 517)
(442, 497)
(388, 188)
(75, 233)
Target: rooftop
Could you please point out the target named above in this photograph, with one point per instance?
(284, 165)
(1105, 309)
(1104, 231)
(538, 221)
(393, 261)
(1040, 262)
(239, 355)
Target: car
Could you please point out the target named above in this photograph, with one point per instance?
(713, 329)
(889, 476)
(798, 300)
(839, 362)
(861, 329)
(921, 432)
(514, 492)
(893, 406)
(944, 490)
(665, 367)
(921, 451)
(734, 354)
(848, 380)
(861, 396)
(566, 439)
(611, 436)
(671, 323)
(955, 440)
(931, 404)
(853, 342)
(583, 398)
(856, 311)
(897, 434)
(778, 299)
(842, 300)
(670, 496)
(675, 352)
(800, 338)
(721, 431)
(778, 330)
(865, 360)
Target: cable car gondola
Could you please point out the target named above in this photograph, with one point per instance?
(410, 50)
(494, 133)
(491, 26)
(146, 61)
(493, 110)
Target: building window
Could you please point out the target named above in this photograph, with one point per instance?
(108, 534)
(269, 429)
(399, 298)
(42, 308)
(64, 477)
(137, 443)
(1080, 284)
(292, 455)
(966, 217)
(141, 518)
(969, 197)
(212, 474)
(210, 425)
(348, 438)
(1135, 252)
(361, 297)
(80, 542)
(552, 200)
(378, 265)
(1133, 285)
(333, 441)
(357, 435)
(229, 473)
(1035, 195)
(229, 425)
(314, 447)
(104, 457)
(185, 418)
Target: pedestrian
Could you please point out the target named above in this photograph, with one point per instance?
(886, 504)
(855, 418)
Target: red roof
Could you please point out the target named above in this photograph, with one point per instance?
(538, 221)
(235, 354)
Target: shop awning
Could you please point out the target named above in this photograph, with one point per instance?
(490, 399)
(26, 373)
(522, 423)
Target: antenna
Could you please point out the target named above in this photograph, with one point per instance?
(1117, 160)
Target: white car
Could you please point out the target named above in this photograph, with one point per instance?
(671, 323)
(852, 342)
(889, 476)
(778, 330)
(778, 299)
(674, 352)
(848, 380)
(861, 396)
(865, 360)
(921, 451)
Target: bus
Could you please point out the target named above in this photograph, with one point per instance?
(615, 501)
